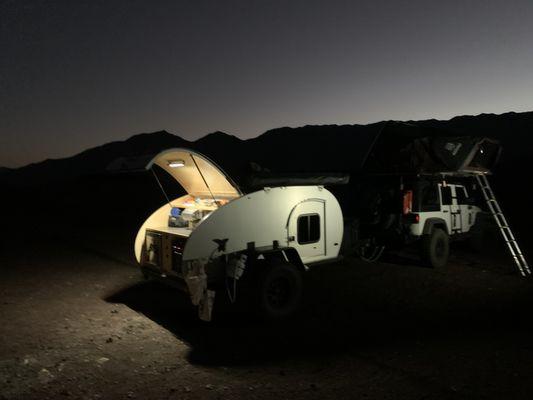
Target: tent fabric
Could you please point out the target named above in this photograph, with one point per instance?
(406, 148)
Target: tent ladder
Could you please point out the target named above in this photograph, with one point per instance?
(503, 225)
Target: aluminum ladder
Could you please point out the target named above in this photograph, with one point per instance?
(503, 225)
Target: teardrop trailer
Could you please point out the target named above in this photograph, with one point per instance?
(218, 239)
(210, 236)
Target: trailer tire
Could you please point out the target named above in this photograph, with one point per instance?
(280, 291)
(436, 248)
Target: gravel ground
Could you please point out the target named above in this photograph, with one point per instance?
(80, 323)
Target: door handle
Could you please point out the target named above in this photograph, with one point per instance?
(445, 211)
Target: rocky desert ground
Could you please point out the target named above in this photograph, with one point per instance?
(78, 321)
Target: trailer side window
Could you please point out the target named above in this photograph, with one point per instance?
(308, 228)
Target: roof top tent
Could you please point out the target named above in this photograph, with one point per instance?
(401, 148)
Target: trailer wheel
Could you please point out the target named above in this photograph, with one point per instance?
(280, 291)
(145, 274)
(436, 248)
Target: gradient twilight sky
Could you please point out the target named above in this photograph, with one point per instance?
(76, 74)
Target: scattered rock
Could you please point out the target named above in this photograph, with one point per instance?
(45, 376)
(209, 386)
(29, 360)
(114, 311)
(187, 389)
(102, 360)
(109, 340)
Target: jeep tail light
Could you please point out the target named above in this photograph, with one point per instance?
(417, 218)
(407, 202)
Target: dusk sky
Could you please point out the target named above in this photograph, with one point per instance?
(77, 74)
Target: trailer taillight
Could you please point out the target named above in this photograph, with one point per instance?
(407, 202)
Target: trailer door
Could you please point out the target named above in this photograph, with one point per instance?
(306, 231)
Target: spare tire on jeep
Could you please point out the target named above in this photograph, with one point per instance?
(436, 248)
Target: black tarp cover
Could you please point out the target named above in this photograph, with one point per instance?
(267, 179)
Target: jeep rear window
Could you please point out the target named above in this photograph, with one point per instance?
(428, 197)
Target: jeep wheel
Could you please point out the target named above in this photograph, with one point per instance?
(436, 248)
(280, 291)
(370, 252)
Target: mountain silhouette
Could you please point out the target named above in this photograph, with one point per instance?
(332, 148)
(336, 148)
(108, 184)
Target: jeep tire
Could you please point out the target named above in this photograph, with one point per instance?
(436, 248)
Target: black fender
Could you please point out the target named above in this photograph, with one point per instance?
(288, 254)
(435, 223)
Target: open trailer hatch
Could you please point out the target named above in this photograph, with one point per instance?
(197, 174)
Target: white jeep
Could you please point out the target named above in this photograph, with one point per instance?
(435, 213)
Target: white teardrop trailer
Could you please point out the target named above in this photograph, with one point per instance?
(205, 240)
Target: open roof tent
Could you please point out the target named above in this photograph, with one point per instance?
(402, 148)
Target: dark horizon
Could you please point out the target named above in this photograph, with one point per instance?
(119, 140)
(77, 75)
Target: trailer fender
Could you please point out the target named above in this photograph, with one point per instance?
(291, 256)
(287, 254)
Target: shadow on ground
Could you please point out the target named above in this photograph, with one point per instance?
(350, 307)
